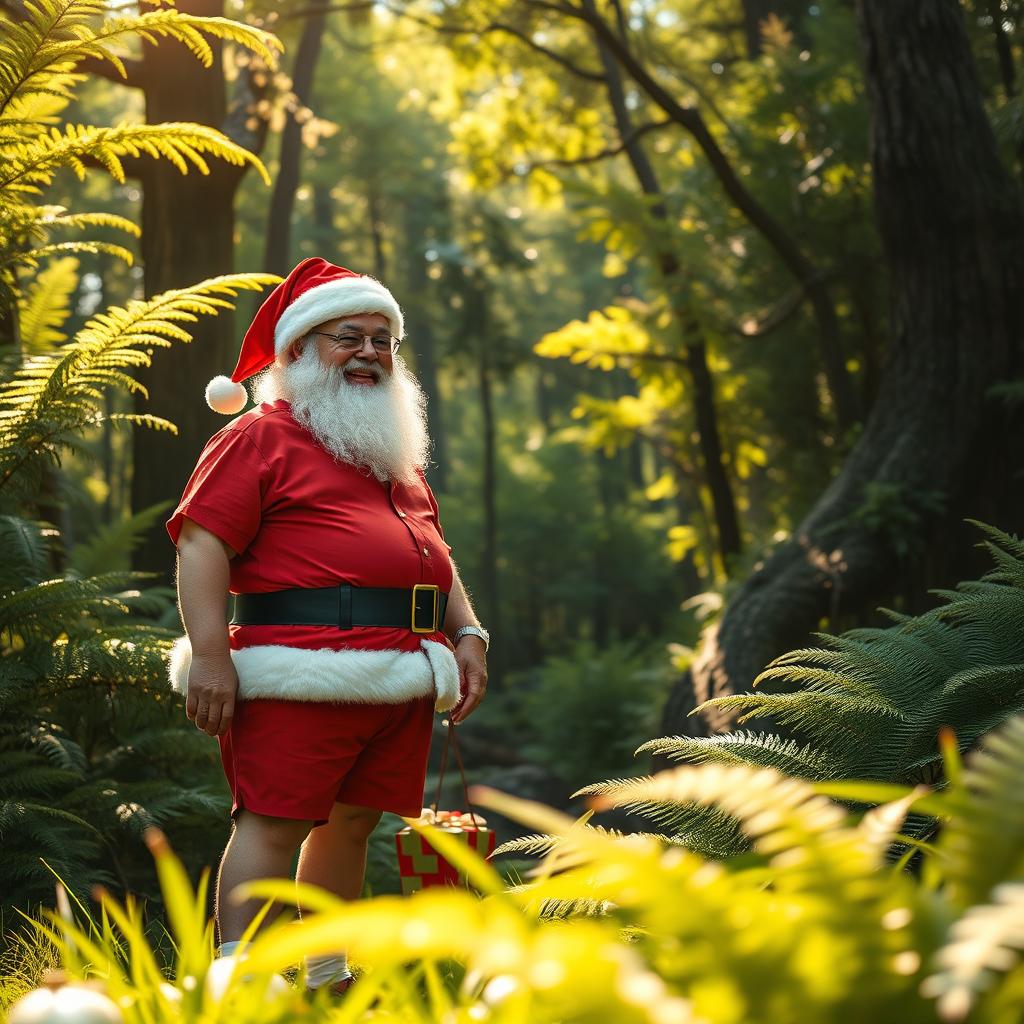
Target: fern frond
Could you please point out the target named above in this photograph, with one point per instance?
(24, 545)
(32, 166)
(535, 845)
(55, 397)
(880, 826)
(38, 53)
(982, 842)
(775, 811)
(58, 217)
(142, 419)
(562, 910)
(608, 788)
(986, 941)
(191, 30)
(765, 749)
(46, 305)
(111, 546)
(807, 710)
(32, 257)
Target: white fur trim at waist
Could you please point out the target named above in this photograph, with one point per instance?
(362, 677)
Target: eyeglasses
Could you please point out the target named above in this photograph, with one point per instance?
(383, 344)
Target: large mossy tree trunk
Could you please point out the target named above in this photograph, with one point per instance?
(188, 227)
(937, 446)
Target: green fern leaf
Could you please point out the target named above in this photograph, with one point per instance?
(47, 305)
(983, 842)
(985, 942)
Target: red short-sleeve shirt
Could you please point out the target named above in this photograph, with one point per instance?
(297, 517)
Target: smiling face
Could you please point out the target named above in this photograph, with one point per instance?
(363, 367)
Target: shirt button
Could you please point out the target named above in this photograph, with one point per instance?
(426, 551)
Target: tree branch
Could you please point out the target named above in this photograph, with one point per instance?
(447, 28)
(845, 398)
(604, 154)
(303, 12)
(753, 327)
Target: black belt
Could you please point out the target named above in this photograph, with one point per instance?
(420, 609)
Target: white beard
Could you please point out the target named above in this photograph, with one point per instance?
(382, 427)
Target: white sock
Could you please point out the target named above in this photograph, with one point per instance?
(325, 970)
(230, 948)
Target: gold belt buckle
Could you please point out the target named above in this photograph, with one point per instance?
(433, 588)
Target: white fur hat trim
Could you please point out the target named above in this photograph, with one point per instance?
(333, 299)
(223, 395)
(360, 677)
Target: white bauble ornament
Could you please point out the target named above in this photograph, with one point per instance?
(69, 1004)
(219, 978)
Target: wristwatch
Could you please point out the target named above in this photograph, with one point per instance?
(472, 631)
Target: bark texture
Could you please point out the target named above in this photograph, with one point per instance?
(188, 227)
(952, 224)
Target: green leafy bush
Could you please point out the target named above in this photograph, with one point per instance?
(93, 748)
(580, 714)
(868, 704)
(817, 925)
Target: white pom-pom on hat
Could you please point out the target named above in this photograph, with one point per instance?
(223, 395)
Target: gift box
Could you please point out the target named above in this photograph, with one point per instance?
(421, 866)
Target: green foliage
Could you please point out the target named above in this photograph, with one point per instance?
(874, 700)
(578, 713)
(46, 305)
(93, 748)
(817, 926)
(52, 398)
(898, 513)
(871, 703)
(39, 53)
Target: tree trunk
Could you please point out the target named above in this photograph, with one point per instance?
(810, 276)
(375, 216)
(416, 288)
(754, 12)
(277, 257)
(705, 414)
(952, 224)
(187, 235)
(489, 562)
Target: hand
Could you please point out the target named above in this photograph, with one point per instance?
(212, 690)
(471, 657)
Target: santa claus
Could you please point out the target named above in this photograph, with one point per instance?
(350, 626)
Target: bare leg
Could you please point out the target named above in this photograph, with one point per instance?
(334, 855)
(259, 847)
(334, 858)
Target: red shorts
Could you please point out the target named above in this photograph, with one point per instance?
(296, 759)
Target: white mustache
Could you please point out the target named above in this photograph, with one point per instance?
(355, 363)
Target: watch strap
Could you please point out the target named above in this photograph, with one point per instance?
(472, 631)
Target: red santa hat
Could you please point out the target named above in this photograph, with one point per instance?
(314, 292)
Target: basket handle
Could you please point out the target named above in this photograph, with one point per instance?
(452, 743)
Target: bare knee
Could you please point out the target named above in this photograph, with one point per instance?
(283, 835)
(353, 824)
